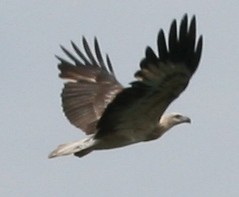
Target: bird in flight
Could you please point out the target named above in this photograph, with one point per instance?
(114, 116)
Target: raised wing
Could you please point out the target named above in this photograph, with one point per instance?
(91, 86)
(160, 80)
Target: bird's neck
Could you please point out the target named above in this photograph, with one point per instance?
(165, 124)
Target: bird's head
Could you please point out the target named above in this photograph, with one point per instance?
(170, 120)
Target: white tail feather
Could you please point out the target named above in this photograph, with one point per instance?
(85, 145)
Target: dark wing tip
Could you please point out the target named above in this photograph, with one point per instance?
(109, 64)
(150, 55)
(84, 41)
(99, 55)
(62, 61)
(173, 36)
(179, 48)
(182, 46)
(100, 59)
(198, 53)
(162, 47)
(89, 63)
(59, 58)
(86, 57)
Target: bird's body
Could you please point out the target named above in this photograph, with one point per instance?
(113, 116)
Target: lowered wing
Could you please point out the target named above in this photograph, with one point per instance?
(91, 86)
(160, 80)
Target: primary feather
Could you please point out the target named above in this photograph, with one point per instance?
(97, 103)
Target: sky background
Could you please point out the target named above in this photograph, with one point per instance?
(196, 160)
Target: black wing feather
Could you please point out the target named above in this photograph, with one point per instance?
(162, 47)
(160, 80)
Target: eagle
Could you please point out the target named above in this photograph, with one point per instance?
(114, 116)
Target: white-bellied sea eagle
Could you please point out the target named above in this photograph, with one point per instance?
(113, 116)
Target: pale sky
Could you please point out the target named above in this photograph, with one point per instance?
(196, 160)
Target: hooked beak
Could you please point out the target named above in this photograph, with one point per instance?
(186, 119)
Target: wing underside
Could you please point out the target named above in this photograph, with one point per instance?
(91, 86)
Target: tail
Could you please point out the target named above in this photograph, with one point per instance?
(79, 148)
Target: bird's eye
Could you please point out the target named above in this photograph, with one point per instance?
(177, 116)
